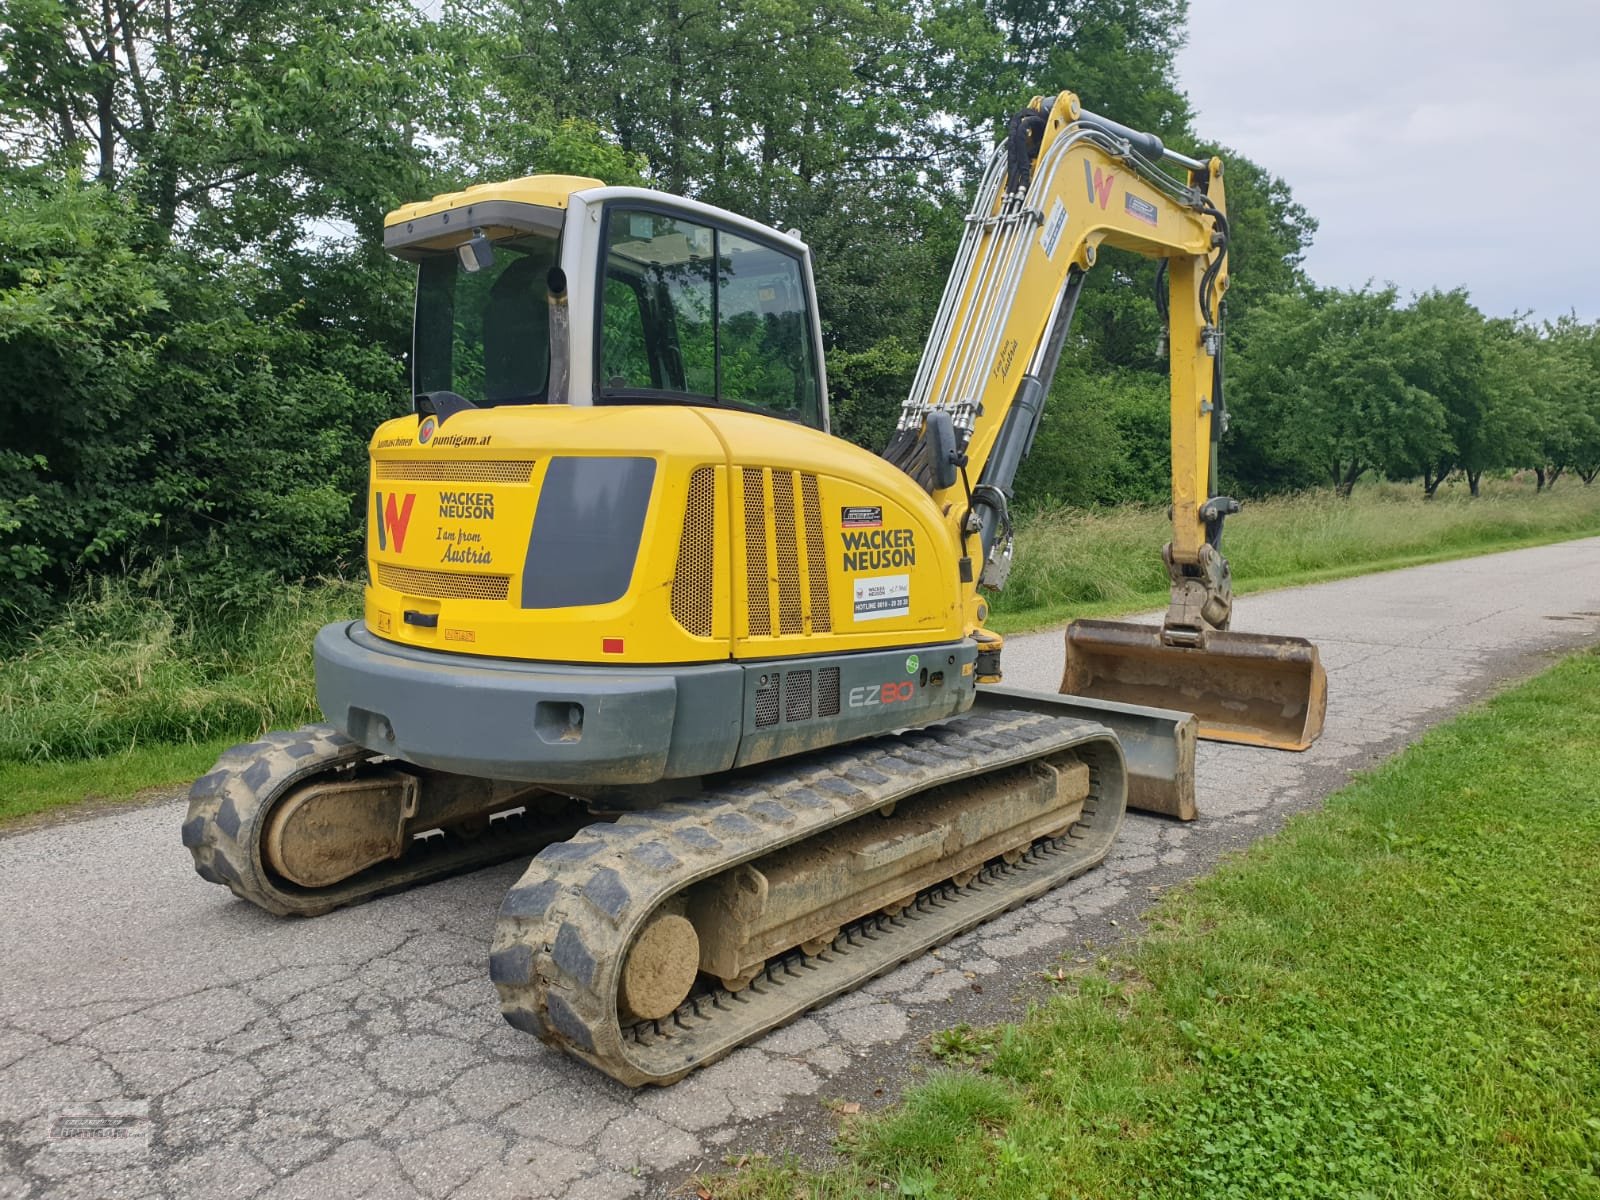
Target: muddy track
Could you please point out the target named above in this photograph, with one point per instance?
(229, 805)
(565, 928)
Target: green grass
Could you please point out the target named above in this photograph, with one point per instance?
(1396, 996)
(1076, 563)
(118, 697)
(29, 789)
(118, 672)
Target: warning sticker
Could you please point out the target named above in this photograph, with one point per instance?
(861, 516)
(883, 596)
(1051, 233)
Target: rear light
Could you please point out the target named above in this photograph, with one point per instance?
(611, 645)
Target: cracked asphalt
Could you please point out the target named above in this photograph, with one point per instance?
(159, 1038)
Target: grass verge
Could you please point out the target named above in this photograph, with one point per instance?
(28, 790)
(1075, 563)
(1396, 996)
(118, 697)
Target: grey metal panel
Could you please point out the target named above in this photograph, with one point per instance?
(412, 239)
(1159, 743)
(512, 720)
(586, 531)
(506, 719)
(916, 698)
(579, 256)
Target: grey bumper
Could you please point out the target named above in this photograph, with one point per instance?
(539, 722)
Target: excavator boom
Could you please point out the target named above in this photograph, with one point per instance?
(1062, 183)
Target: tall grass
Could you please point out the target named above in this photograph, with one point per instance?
(1069, 559)
(117, 671)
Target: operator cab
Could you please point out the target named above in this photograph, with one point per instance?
(555, 289)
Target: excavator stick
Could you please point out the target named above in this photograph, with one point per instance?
(1251, 688)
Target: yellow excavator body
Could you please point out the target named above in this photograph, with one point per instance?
(634, 612)
(747, 544)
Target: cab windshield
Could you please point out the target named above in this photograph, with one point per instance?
(485, 334)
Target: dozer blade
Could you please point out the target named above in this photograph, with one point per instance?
(1157, 742)
(1252, 688)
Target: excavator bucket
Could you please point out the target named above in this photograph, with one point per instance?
(1250, 688)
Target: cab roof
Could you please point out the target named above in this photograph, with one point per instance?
(545, 191)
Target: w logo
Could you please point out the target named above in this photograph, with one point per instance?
(393, 519)
(1098, 183)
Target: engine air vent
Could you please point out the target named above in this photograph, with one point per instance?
(443, 585)
(518, 470)
(828, 692)
(786, 563)
(693, 582)
(755, 551)
(797, 696)
(767, 701)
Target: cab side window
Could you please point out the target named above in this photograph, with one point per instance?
(696, 314)
(658, 327)
(763, 337)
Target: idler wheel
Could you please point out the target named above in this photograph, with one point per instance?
(660, 968)
(323, 833)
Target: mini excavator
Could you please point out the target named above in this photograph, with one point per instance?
(632, 611)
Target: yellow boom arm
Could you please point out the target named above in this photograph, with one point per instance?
(1060, 184)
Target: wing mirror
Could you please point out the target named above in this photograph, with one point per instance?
(939, 432)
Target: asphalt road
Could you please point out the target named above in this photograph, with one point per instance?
(159, 1038)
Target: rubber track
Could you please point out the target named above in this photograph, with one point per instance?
(565, 927)
(228, 807)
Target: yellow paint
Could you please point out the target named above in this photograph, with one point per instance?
(547, 191)
(1094, 216)
(678, 439)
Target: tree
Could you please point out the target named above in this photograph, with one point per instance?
(1517, 408)
(148, 417)
(1568, 377)
(1322, 384)
(1441, 348)
(216, 119)
(1584, 349)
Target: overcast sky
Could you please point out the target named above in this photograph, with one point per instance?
(1437, 142)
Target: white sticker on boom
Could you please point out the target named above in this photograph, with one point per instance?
(1051, 233)
(883, 596)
